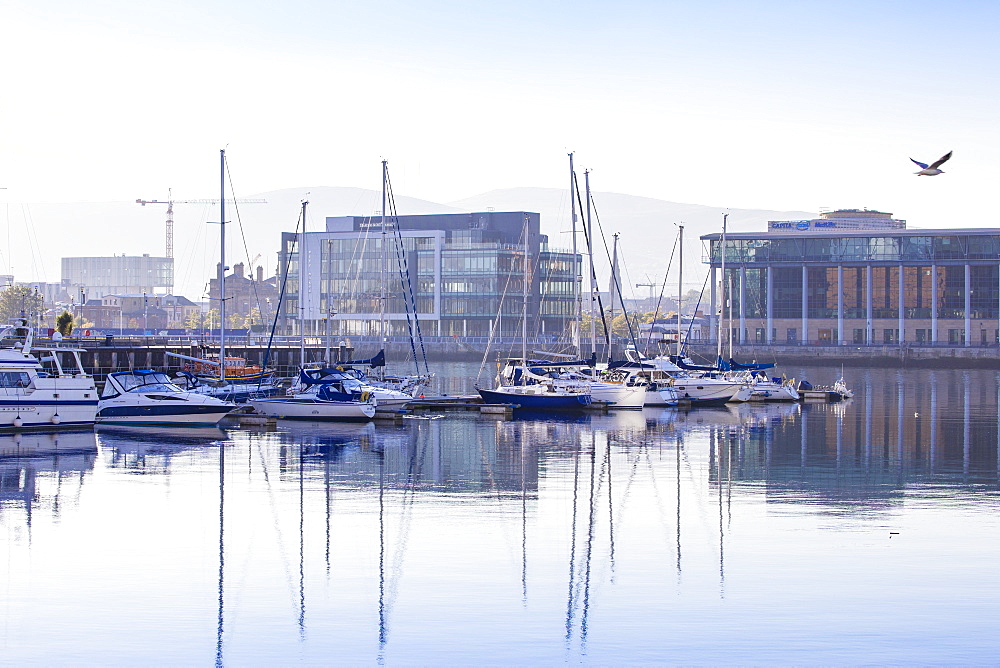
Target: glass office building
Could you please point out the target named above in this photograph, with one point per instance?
(856, 277)
(461, 274)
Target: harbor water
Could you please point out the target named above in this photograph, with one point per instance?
(861, 532)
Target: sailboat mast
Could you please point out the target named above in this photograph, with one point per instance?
(722, 263)
(593, 276)
(302, 289)
(680, 283)
(577, 278)
(222, 265)
(614, 294)
(385, 261)
(524, 307)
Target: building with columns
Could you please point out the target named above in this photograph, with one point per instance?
(856, 277)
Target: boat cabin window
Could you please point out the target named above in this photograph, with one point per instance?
(14, 379)
(147, 382)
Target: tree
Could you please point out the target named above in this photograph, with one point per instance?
(19, 301)
(64, 323)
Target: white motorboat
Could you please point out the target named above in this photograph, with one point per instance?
(149, 397)
(45, 391)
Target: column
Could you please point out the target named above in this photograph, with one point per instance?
(841, 339)
(743, 305)
(901, 298)
(934, 303)
(804, 336)
(769, 300)
(869, 324)
(968, 305)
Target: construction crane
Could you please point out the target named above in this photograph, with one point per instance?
(650, 286)
(170, 201)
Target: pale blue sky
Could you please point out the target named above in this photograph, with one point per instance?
(778, 105)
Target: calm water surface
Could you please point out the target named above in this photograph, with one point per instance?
(856, 533)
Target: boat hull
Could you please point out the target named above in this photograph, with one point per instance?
(42, 414)
(292, 408)
(188, 416)
(536, 401)
(703, 391)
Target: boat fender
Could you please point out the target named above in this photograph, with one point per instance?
(18, 421)
(365, 396)
(56, 419)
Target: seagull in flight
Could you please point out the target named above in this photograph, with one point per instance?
(932, 169)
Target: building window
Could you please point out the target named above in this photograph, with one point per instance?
(792, 335)
(859, 336)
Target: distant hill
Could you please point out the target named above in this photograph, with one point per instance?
(41, 234)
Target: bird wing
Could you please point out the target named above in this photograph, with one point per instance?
(940, 161)
(922, 165)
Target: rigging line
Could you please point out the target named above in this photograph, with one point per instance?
(407, 283)
(616, 282)
(659, 301)
(496, 322)
(243, 237)
(593, 272)
(696, 307)
(281, 297)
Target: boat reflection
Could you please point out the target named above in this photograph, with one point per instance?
(43, 472)
(149, 449)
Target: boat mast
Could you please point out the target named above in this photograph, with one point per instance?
(722, 262)
(524, 308)
(222, 265)
(680, 284)
(302, 289)
(614, 295)
(385, 264)
(577, 278)
(593, 276)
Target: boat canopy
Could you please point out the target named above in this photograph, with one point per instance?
(377, 360)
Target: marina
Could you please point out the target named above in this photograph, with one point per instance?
(780, 533)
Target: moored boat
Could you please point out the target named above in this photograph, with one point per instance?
(149, 397)
(46, 391)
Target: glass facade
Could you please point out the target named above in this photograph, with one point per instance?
(886, 287)
(463, 273)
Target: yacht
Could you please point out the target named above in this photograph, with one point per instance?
(47, 390)
(149, 397)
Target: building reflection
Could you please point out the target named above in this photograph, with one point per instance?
(898, 434)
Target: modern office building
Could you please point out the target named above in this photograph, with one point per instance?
(94, 277)
(856, 277)
(461, 274)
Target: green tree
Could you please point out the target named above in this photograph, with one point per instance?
(195, 320)
(64, 323)
(19, 301)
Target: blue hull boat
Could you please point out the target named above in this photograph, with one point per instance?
(526, 396)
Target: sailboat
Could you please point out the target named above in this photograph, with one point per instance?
(226, 378)
(321, 396)
(535, 393)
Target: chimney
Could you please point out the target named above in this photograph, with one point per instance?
(238, 270)
(260, 274)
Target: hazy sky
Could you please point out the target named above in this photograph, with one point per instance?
(766, 104)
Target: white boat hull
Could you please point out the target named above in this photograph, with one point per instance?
(49, 402)
(706, 390)
(308, 408)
